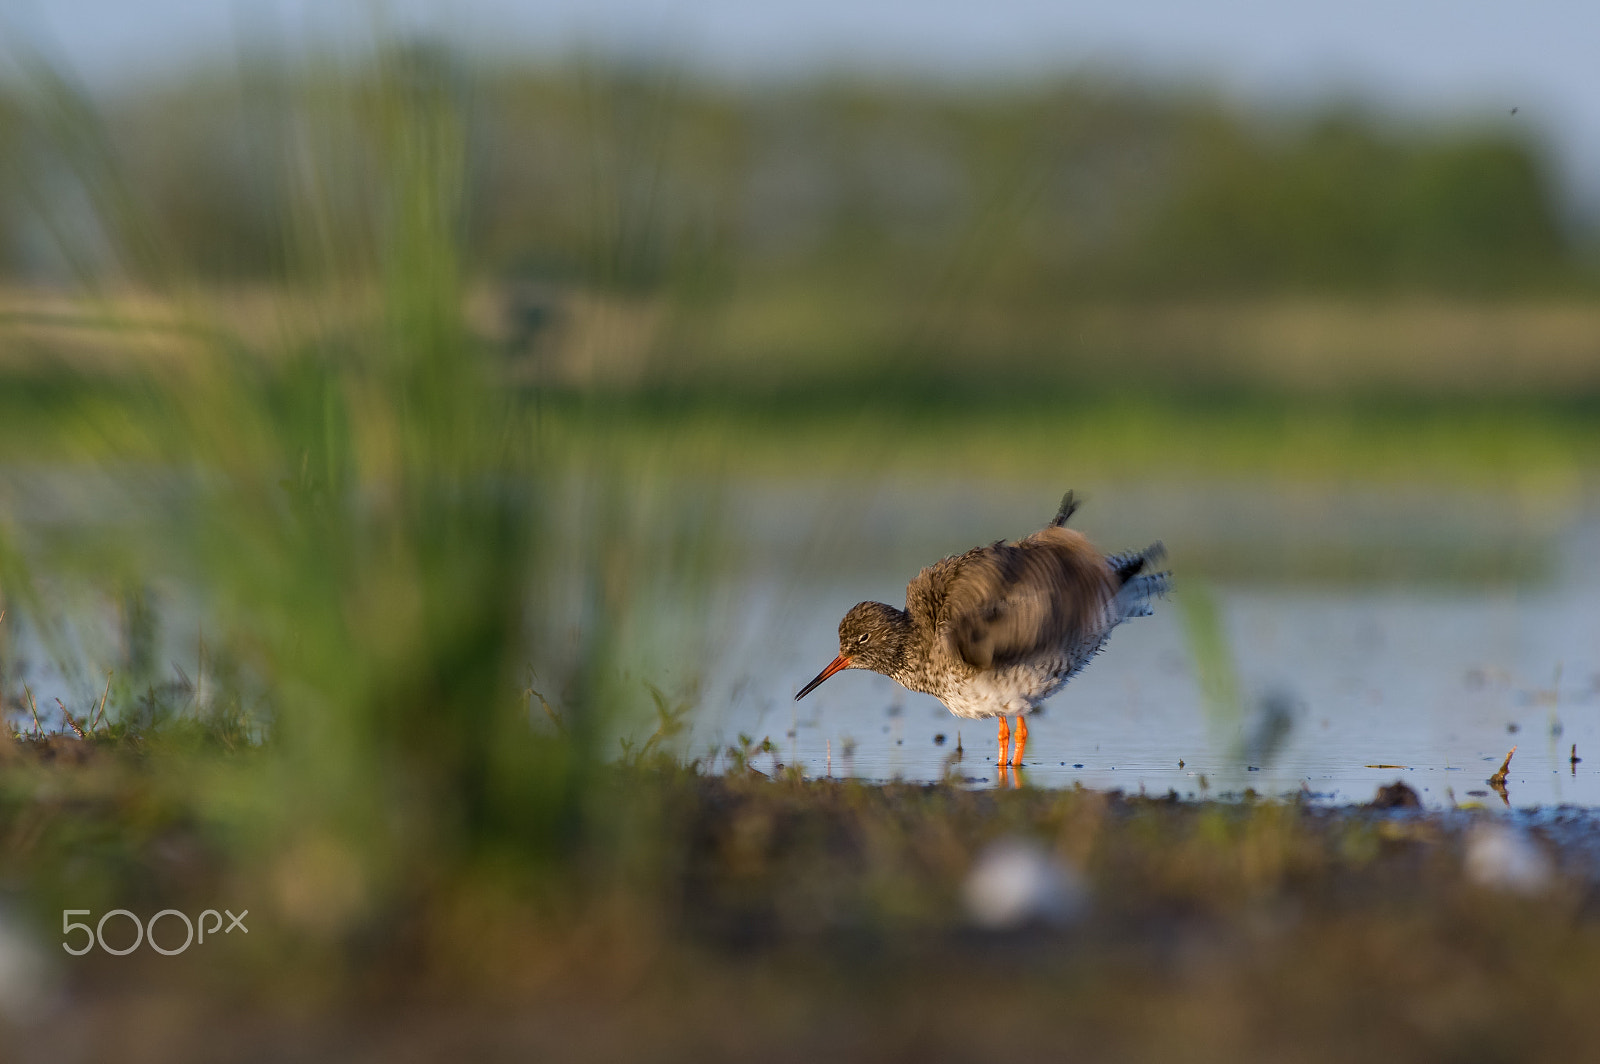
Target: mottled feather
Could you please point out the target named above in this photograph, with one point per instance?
(1013, 602)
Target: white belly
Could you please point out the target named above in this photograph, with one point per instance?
(1012, 691)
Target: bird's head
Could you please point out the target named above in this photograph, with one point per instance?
(873, 636)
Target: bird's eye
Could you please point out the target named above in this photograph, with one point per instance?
(864, 637)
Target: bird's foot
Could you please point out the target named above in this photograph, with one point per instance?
(1022, 741)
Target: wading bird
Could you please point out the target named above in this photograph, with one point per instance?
(997, 630)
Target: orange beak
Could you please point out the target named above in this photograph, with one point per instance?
(840, 662)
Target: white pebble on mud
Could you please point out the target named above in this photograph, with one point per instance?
(1503, 858)
(1016, 882)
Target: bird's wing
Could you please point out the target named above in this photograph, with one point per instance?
(1014, 602)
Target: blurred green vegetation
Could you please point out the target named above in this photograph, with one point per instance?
(634, 227)
(359, 522)
(640, 177)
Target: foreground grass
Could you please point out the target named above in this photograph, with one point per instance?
(720, 917)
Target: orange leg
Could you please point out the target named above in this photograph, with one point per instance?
(1005, 742)
(1022, 739)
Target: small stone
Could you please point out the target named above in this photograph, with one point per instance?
(1502, 858)
(938, 740)
(1016, 882)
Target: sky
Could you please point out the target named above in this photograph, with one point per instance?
(1467, 59)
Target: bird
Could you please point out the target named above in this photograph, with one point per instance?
(995, 631)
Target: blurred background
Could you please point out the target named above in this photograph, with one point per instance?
(775, 306)
(420, 408)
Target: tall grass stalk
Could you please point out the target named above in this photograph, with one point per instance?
(367, 515)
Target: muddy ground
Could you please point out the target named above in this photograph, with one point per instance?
(743, 917)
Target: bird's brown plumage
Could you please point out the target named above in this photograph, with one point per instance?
(1011, 603)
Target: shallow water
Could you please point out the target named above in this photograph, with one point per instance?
(1440, 669)
(1367, 627)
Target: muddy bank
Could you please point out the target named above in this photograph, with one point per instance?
(718, 918)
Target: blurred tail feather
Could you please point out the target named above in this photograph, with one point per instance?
(1138, 587)
(1129, 564)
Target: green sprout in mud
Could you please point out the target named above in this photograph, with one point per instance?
(740, 756)
(672, 720)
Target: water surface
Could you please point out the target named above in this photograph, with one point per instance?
(1446, 629)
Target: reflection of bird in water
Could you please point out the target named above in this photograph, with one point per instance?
(997, 630)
